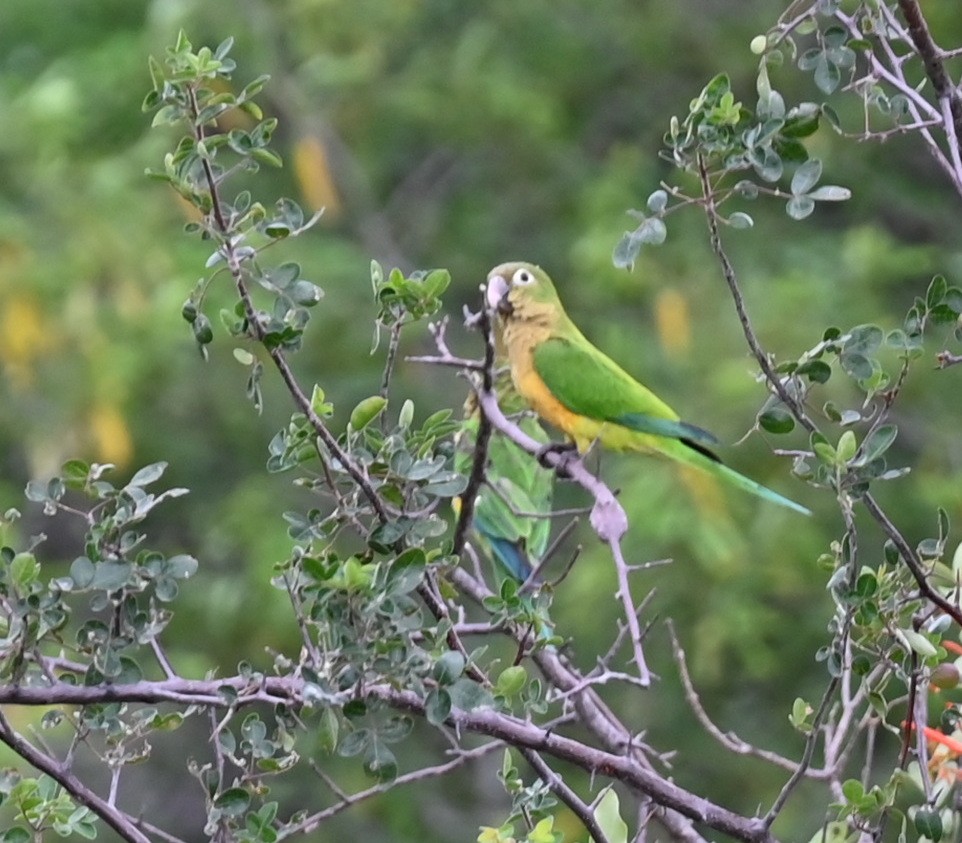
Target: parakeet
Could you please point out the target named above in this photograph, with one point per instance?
(505, 521)
(580, 390)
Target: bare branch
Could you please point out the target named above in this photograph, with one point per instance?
(931, 57)
(314, 821)
(729, 740)
(521, 733)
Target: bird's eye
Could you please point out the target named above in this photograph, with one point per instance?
(522, 277)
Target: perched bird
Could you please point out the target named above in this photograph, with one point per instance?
(512, 507)
(583, 392)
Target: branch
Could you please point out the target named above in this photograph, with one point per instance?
(911, 559)
(485, 721)
(592, 711)
(276, 353)
(521, 733)
(796, 777)
(115, 818)
(314, 821)
(557, 785)
(608, 518)
(729, 740)
(932, 59)
(728, 271)
(481, 440)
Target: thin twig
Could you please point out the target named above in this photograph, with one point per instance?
(276, 353)
(454, 362)
(392, 347)
(729, 740)
(803, 765)
(728, 271)
(481, 441)
(931, 57)
(314, 821)
(557, 785)
(162, 659)
(911, 559)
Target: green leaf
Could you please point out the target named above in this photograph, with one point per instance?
(928, 823)
(233, 802)
(380, 762)
(607, 813)
(740, 220)
(626, 252)
(827, 74)
(853, 790)
(366, 411)
(148, 474)
(437, 706)
(511, 681)
(777, 419)
(327, 730)
(203, 331)
(917, 642)
(110, 576)
(468, 695)
(876, 444)
(24, 569)
(181, 567)
(830, 193)
(354, 743)
(846, 447)
(75, 474)
(799, 207)
(817, 371)
(857, 366)
(449, 667)
(82, 572)
(801, 712)
(806, 176)
(657, 201)
(543, 831)
(267, 156)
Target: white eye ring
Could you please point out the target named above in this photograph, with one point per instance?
(523, 277)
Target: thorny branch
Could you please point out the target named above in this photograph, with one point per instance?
(504, 727)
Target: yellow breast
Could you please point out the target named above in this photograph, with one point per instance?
(520, 340)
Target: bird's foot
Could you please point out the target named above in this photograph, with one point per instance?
(566, 452)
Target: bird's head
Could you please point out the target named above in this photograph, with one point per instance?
(516, 287)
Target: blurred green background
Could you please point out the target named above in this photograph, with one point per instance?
(460, 135)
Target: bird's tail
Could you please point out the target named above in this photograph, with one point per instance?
(751, 486)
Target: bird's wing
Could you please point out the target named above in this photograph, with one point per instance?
(590, 384)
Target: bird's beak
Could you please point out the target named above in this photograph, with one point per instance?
(497, 295)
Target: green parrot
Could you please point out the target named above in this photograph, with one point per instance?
(506, 524)
(580, 390)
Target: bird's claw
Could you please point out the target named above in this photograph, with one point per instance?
(566, 452)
